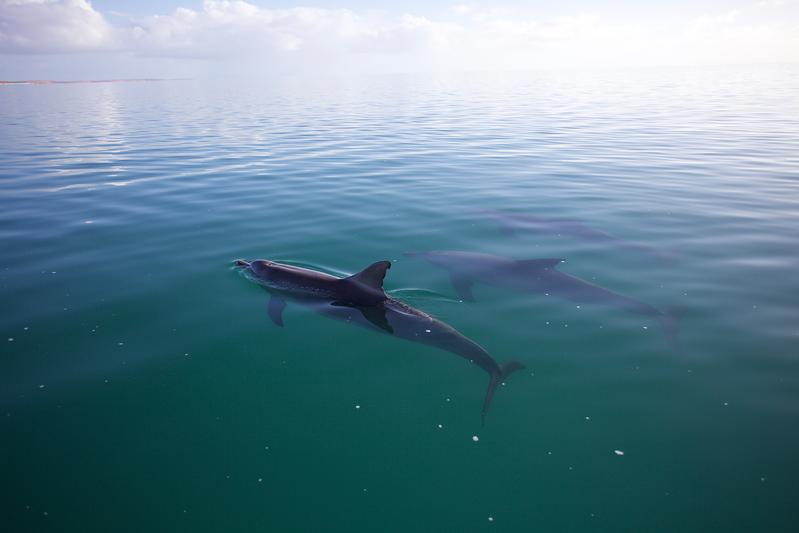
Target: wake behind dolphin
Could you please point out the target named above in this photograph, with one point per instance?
(538, 276)
(360, 299)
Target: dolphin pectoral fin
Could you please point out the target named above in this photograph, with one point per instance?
(276, 306)
(503, 371)
(376, 314)
(463, 286)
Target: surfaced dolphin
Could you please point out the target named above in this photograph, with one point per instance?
(360, 299)
(539, 276)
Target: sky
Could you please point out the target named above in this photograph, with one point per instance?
(79, 39)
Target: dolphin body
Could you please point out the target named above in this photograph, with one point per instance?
(514, 223)
(538, 276)
(360, 299)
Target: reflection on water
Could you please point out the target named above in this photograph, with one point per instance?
(139, 372)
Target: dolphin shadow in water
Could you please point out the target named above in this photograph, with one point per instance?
(539, 276)
(361, 300)
(515, 223)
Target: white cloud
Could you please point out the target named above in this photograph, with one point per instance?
(52, 26)
(222, 28)
(472, 38)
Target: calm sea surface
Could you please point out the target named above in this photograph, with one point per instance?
(144, 388)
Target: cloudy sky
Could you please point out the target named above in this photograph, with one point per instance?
(79, 39)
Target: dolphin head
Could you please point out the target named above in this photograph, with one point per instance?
(259, 268)
(272, 273)
(463, 263)
(429, 255)
(440, 257)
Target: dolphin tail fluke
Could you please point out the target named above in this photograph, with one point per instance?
(503, 371)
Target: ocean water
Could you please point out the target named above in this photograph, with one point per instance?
(144, 388)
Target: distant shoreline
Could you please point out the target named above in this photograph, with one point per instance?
(62, 82)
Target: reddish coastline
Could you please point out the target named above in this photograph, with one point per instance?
(52, 82)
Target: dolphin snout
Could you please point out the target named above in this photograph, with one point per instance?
(241, 263)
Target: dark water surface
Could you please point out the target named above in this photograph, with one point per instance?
(143, 387)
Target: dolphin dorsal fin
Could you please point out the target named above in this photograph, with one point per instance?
(538, 264)
(372, 276)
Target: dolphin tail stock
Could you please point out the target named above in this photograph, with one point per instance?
(498, 376)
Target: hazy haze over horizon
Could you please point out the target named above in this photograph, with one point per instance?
(77, 39)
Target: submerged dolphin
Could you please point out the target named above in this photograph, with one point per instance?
(360, 299)
(513, 223)
(538, 276)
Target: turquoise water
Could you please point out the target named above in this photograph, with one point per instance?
(143, 386)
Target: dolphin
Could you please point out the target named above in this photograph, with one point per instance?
(360, 299)
(539, 276)
(514, 223)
